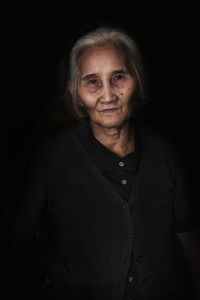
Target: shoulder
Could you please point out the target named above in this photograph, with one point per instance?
(159, 146)
(53, 134)
(154, 137)
(52, 141)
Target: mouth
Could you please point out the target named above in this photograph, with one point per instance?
(110, 110)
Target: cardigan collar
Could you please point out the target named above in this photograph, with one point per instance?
(104, 158)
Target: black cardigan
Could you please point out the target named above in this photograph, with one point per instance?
(92, 229)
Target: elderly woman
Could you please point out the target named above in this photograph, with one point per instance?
(113, 190)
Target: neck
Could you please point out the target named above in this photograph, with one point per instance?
(119, 139)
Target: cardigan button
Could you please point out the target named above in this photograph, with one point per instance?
(144, 281)
(130, 235)
(121, 163)
(125, 206)
(124, 181)
(130, 279)
(139, 258)
(163, 257)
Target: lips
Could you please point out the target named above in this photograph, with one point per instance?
(110, 110)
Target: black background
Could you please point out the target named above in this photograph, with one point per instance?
(34, 38)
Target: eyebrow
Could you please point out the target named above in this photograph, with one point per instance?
(121, 71)
(89, 76)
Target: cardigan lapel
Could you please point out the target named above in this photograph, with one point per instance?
(99, 176)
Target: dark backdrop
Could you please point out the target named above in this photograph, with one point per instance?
(33, 41)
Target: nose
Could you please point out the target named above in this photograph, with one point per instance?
(108, 95)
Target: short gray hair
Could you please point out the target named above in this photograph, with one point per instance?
(100, 37)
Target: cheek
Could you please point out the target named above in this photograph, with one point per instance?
(127, 91)
(126, 96)
(87, 96)
(88, 103)
(83, 98)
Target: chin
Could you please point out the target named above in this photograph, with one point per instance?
(109, 122)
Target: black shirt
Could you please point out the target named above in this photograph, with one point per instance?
(120, 172)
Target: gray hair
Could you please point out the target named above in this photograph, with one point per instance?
(100, 37)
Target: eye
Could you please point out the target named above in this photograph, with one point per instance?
(118, 77)
(93, 84)
(92, 81)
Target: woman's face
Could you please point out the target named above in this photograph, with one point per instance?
(105, 86)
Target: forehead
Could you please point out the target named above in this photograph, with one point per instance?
(102, 57)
